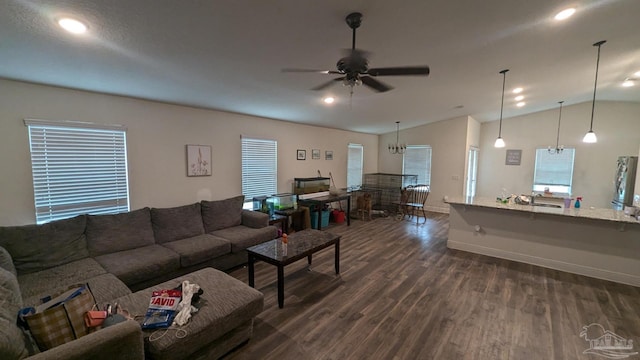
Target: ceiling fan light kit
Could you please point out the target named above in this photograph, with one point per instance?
(499, 141)
(590, 136)
(354, 67)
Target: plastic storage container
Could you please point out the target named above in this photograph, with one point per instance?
(324, 219)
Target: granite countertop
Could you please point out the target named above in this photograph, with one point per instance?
(588, 213)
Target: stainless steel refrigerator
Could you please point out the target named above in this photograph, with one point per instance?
(624, 182)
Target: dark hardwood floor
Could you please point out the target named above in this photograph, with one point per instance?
(402, 294)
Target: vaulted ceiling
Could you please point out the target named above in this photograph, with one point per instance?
(228, 55)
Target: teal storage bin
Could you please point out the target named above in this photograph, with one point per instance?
(324, 219)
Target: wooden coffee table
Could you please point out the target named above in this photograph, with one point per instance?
(301, 244)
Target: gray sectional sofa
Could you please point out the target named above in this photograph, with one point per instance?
(123, 257)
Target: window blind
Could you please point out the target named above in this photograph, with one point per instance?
(259, 168)
(77, 170)
(554, 169)
(417, 161)
(354, 165)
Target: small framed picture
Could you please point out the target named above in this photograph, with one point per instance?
(302, 154)
(328, 155)
(198, 160)
(315, 154)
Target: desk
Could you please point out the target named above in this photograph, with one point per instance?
(321, 201)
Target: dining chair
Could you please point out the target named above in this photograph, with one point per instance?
(417, 195)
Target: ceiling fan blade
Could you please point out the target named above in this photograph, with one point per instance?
(311, 71)
(327, 84)
(375, 84)
(399, 71)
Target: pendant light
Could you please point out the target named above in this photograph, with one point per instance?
(397, 148)
(559, 148)
(499, 141)
(590, 137)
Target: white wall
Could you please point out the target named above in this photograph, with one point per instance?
(617, 125)
(448, 157)
(156, 137)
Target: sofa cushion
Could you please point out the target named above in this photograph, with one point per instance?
(227, 303)
(46, 282)
(242, 237)
(6, 262)
(222, 214)
(141, 264)
(112, 233)
(176, 223)
(38, 247)
(12, 344)
(199, 248)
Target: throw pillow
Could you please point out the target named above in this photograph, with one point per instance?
(222, 214)
(39, 247)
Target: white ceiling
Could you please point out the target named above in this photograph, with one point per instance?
(228, 55)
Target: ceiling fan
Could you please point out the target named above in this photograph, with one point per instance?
(354, 67)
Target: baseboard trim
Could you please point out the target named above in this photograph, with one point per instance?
(548, 263)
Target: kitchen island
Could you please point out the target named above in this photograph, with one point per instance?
(601, 243)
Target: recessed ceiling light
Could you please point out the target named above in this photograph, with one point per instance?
(72, 25)
(519, 97)
(628, 83)
(328, 100)
(521, 104)
(565, 14)
(517, 90)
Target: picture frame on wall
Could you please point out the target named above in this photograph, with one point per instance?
(198, 160)
(328, 155)
(315, 154)
(301, 154)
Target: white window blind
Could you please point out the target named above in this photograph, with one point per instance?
(77, 169)
(259, 168)
(354, 165)
(417, 161)
(554, 171)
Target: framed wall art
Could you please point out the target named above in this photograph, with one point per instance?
(302, 154)
(328, 155)
(513, 157)
(198, 160)
(315, 154)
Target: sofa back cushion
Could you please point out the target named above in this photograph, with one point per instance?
(40, 247)
(222, 214)
(12, 345)
(177, 223)
(107, 234)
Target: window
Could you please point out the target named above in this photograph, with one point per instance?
(259, 169)
(472, 172)
(77, 169)
(354, 166)
(417, 161)
(553, 171)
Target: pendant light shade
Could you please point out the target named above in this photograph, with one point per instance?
(499, 141)
(590, 137)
